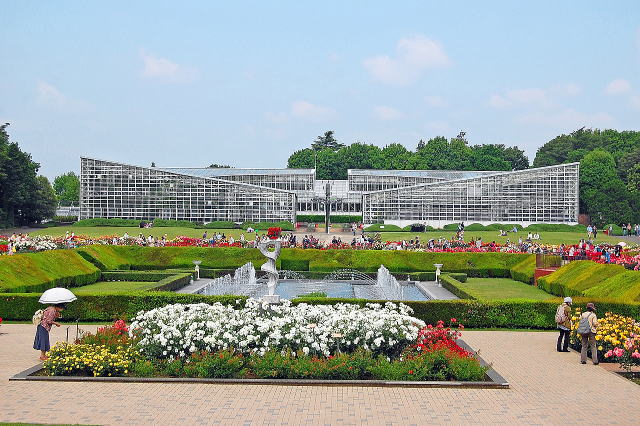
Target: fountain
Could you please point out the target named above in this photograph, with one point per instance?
(243, 282)
(390, 286)
(270, 268)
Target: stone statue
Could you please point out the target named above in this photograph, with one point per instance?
(270, 267)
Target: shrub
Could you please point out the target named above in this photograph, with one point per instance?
(592, 279)
(418, 227)
(556, 227)
(89, 360)
(174, 223)
(524, 271)
(219, 224)
(223, 364)
(616, 229)
(295, 264)
(451, 284)
(65, 219)
(263, 226)
(319, 218)
(107, 222)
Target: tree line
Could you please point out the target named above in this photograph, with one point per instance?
(332, 159)
(25, 197)
(609, 164)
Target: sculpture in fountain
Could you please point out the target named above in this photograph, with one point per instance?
(270, 268)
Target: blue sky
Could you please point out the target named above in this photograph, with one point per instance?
(247, 83)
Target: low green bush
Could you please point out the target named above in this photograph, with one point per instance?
(524, 271)
(263, 226)
(475, 227)
(412, 228)
(319, 218)
(65, 219)
(556, 227)
(219, 224)
(472, 313)
(107, 222)
(166, 281)
(616, 229)
(452, 284)
(171, 223)
(295, 264)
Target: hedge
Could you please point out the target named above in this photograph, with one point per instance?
(451, 283)
(295, 264)
(596, 280)
(319, 218)
(219, 224)
(263, 226)
(471, 313)
(409, 228)
(524, 271)
(401, 261)
(107, 222)
(616, 229)
(36, 272)
(556, 227)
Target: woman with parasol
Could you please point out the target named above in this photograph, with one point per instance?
(45, 319)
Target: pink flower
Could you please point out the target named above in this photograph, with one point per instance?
(618, 352)
(609, 354)
(635, 354)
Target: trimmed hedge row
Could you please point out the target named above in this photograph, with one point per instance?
(472, 313)
(263, 226)
(319, 218)
(401, 261)
(451, 284)
(166, 281)
(524, 271)
(587, 278)
(538, 227)
(36, 272)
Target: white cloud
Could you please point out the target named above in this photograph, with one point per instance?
(414, 56)
(386, 113)
(617, 87)
(436, 101)
(163, 69)
(439, 128)
(307, 110)
(300, 110)
(533, 97)
(49, 96)
(567, 119)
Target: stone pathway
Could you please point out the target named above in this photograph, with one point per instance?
(436, 292)
(195, 285)
(547, 387)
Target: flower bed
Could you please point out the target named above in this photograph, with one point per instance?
(614, 331)
(427, 354)
(180, 330)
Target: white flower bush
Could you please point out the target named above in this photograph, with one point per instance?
(179, 330)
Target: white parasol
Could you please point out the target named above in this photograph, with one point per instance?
(57, 295)
(622, 244)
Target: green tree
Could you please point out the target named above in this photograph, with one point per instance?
(67, 189)
(603, 195)
(440, 154)
(355, 156)
(394, 157)
(328, 166)
(302, 159)
(326, 141)
(42, 204)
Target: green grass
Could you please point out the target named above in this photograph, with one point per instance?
(172, 232)
(39, 271)
(488, 236)
(114, 287)
(502, 288)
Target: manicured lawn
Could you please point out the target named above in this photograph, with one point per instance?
(172, 232)
(113, 287)
(488, 236)
(502, 288)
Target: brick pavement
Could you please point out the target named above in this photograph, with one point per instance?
(547, 387)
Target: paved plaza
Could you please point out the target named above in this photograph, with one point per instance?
(547, 387)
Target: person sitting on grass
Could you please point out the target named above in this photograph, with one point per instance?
(49, 317)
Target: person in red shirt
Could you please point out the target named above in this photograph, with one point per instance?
(49, 317)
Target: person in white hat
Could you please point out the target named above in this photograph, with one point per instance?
(563, 321)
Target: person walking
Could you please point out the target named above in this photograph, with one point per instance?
(48, 318)
(563, 321)
(587, 329)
